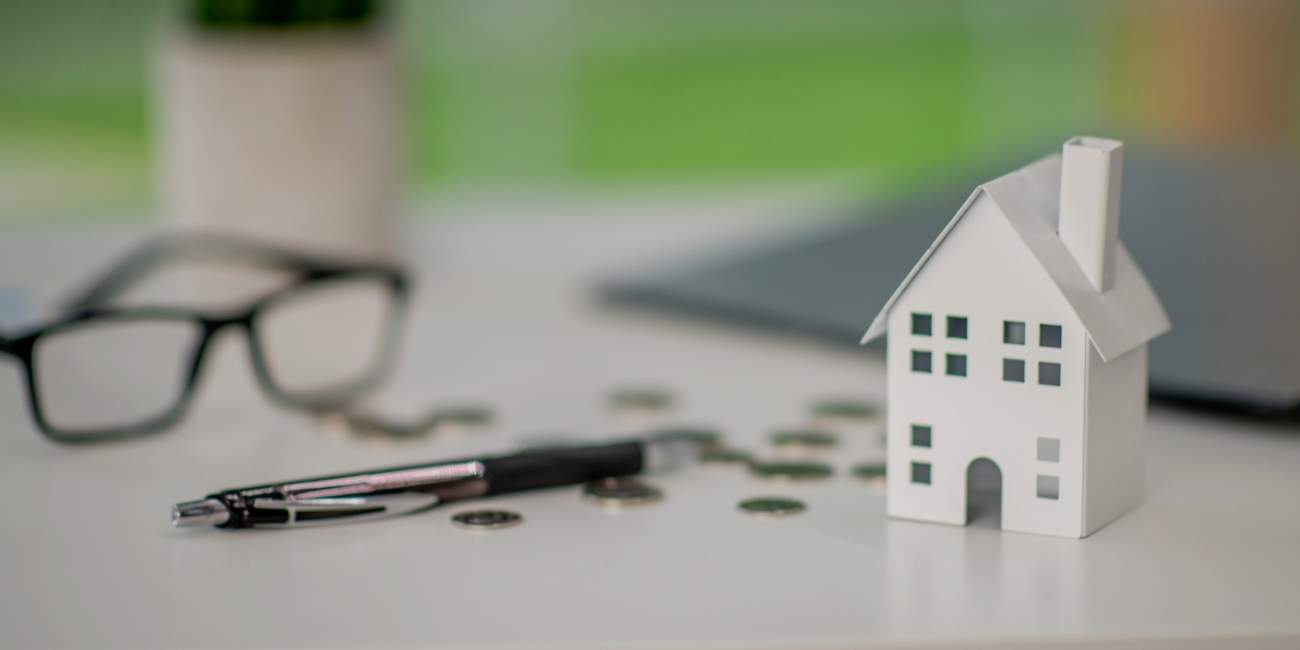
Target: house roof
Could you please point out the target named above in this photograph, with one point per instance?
(1118, 320)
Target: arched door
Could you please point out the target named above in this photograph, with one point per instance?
(984, 494)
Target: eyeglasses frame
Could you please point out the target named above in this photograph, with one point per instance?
(23, 346)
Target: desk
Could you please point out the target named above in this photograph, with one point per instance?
(504, 315)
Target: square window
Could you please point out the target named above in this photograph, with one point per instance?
(921, 473)
(920, 361)
(956, 327)
(1013, 370)
(1049, 450)
(1013, 332)
(920, 324)
(955, 364)
(1049, 374)
(921, 435)
(1049, 487)
(1049, 336)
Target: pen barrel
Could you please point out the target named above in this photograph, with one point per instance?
(562, 466)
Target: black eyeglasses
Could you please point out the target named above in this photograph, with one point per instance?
(102, 372)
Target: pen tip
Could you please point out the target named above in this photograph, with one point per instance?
(204, 512)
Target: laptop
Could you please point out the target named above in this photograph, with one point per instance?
(1218, 239)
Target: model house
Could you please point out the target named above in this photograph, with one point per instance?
(1020, 337)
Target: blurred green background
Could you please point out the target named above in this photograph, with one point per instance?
(606, 93)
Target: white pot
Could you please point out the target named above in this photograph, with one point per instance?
(287, 136)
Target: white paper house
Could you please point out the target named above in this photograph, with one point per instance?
(1020, 337)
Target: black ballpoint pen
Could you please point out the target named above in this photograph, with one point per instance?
(391, 491)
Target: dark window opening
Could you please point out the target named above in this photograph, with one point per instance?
(956, 327)
(921, 473)
(955, 365)
(920, 361)
(1049, 336)
(1049, 374)
(1013, 370)
(921, 435)
(1013, 332)
(920, 324)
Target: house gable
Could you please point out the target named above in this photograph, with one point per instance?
(985, 274)
(1116, 321)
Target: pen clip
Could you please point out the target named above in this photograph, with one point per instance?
(335, 510)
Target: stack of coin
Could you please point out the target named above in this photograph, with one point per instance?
(772, 506)
(365, 423)
(640, 400)
(724, 456)
(791, 470)
(621, 492)
(873, 473)
(703, 438)
(486, 519)
(849, 412)
(462, 417)
(803, 441)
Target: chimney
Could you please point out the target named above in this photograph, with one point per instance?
(1089, 220)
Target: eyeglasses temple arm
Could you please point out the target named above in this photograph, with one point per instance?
(121, 275)
(147, 257)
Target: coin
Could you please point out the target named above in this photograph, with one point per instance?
(873, 473)
(807, 439)
(704, 438)
(791, 470)
(640, 398)
(372, 425)
(772, 506)
(724, 457)
(621, 491)
(467, 416)
(486, 519)
(844, 409)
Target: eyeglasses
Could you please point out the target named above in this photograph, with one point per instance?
(103, 372)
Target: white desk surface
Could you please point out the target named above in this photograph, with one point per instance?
(87, 557)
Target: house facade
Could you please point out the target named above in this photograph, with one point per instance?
(1002, 347)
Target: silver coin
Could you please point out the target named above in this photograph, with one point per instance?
(844, 410)
(467, 416)
(772, 506)
(442, 419)
(487, 519)
(361, 422)
(807, 439)
(871, 473)
(702, 438)
(620, 492)
(640, 398)
(377, 426)
(791, 470)
(724, 457)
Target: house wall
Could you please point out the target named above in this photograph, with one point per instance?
(983, 271)
(1116, 419)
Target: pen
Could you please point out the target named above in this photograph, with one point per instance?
(391, 491)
